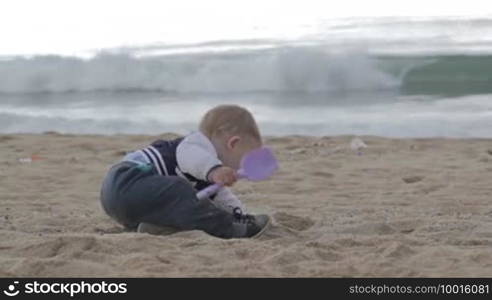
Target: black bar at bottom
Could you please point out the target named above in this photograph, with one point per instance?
(259, 288)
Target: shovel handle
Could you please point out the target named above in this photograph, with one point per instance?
(208, 191)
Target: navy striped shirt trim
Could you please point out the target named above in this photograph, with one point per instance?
(161, 161)
(151, 156)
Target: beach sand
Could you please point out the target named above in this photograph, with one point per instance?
(401, 207)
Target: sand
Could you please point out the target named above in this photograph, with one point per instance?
(401, 207)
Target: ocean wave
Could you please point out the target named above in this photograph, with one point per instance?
(284, 70)
(452, 75)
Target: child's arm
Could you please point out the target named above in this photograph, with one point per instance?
(226, 200)
(196, 156)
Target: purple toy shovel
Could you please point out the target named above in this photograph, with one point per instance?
(256, 165)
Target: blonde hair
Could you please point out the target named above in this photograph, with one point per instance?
(231, 120)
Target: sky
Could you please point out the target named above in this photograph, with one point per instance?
(70, 26)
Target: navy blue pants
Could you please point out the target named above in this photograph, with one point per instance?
(133, 193)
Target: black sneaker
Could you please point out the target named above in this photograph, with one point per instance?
(249, 226)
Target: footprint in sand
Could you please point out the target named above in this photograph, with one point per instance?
(412, 179)
(68, 246)
(111, 230)
(278, 231)
(322, 174)
(370, 228)
(397, 250)
(293, 222)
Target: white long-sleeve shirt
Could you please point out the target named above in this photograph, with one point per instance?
(196, 155)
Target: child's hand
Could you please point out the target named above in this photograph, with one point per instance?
(223, 175)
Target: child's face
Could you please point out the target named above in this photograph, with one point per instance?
(232, 149)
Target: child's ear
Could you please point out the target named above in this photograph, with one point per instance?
(233, 141)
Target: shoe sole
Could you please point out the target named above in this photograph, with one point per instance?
(162, 230)
(260, 233)
(155, 230)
